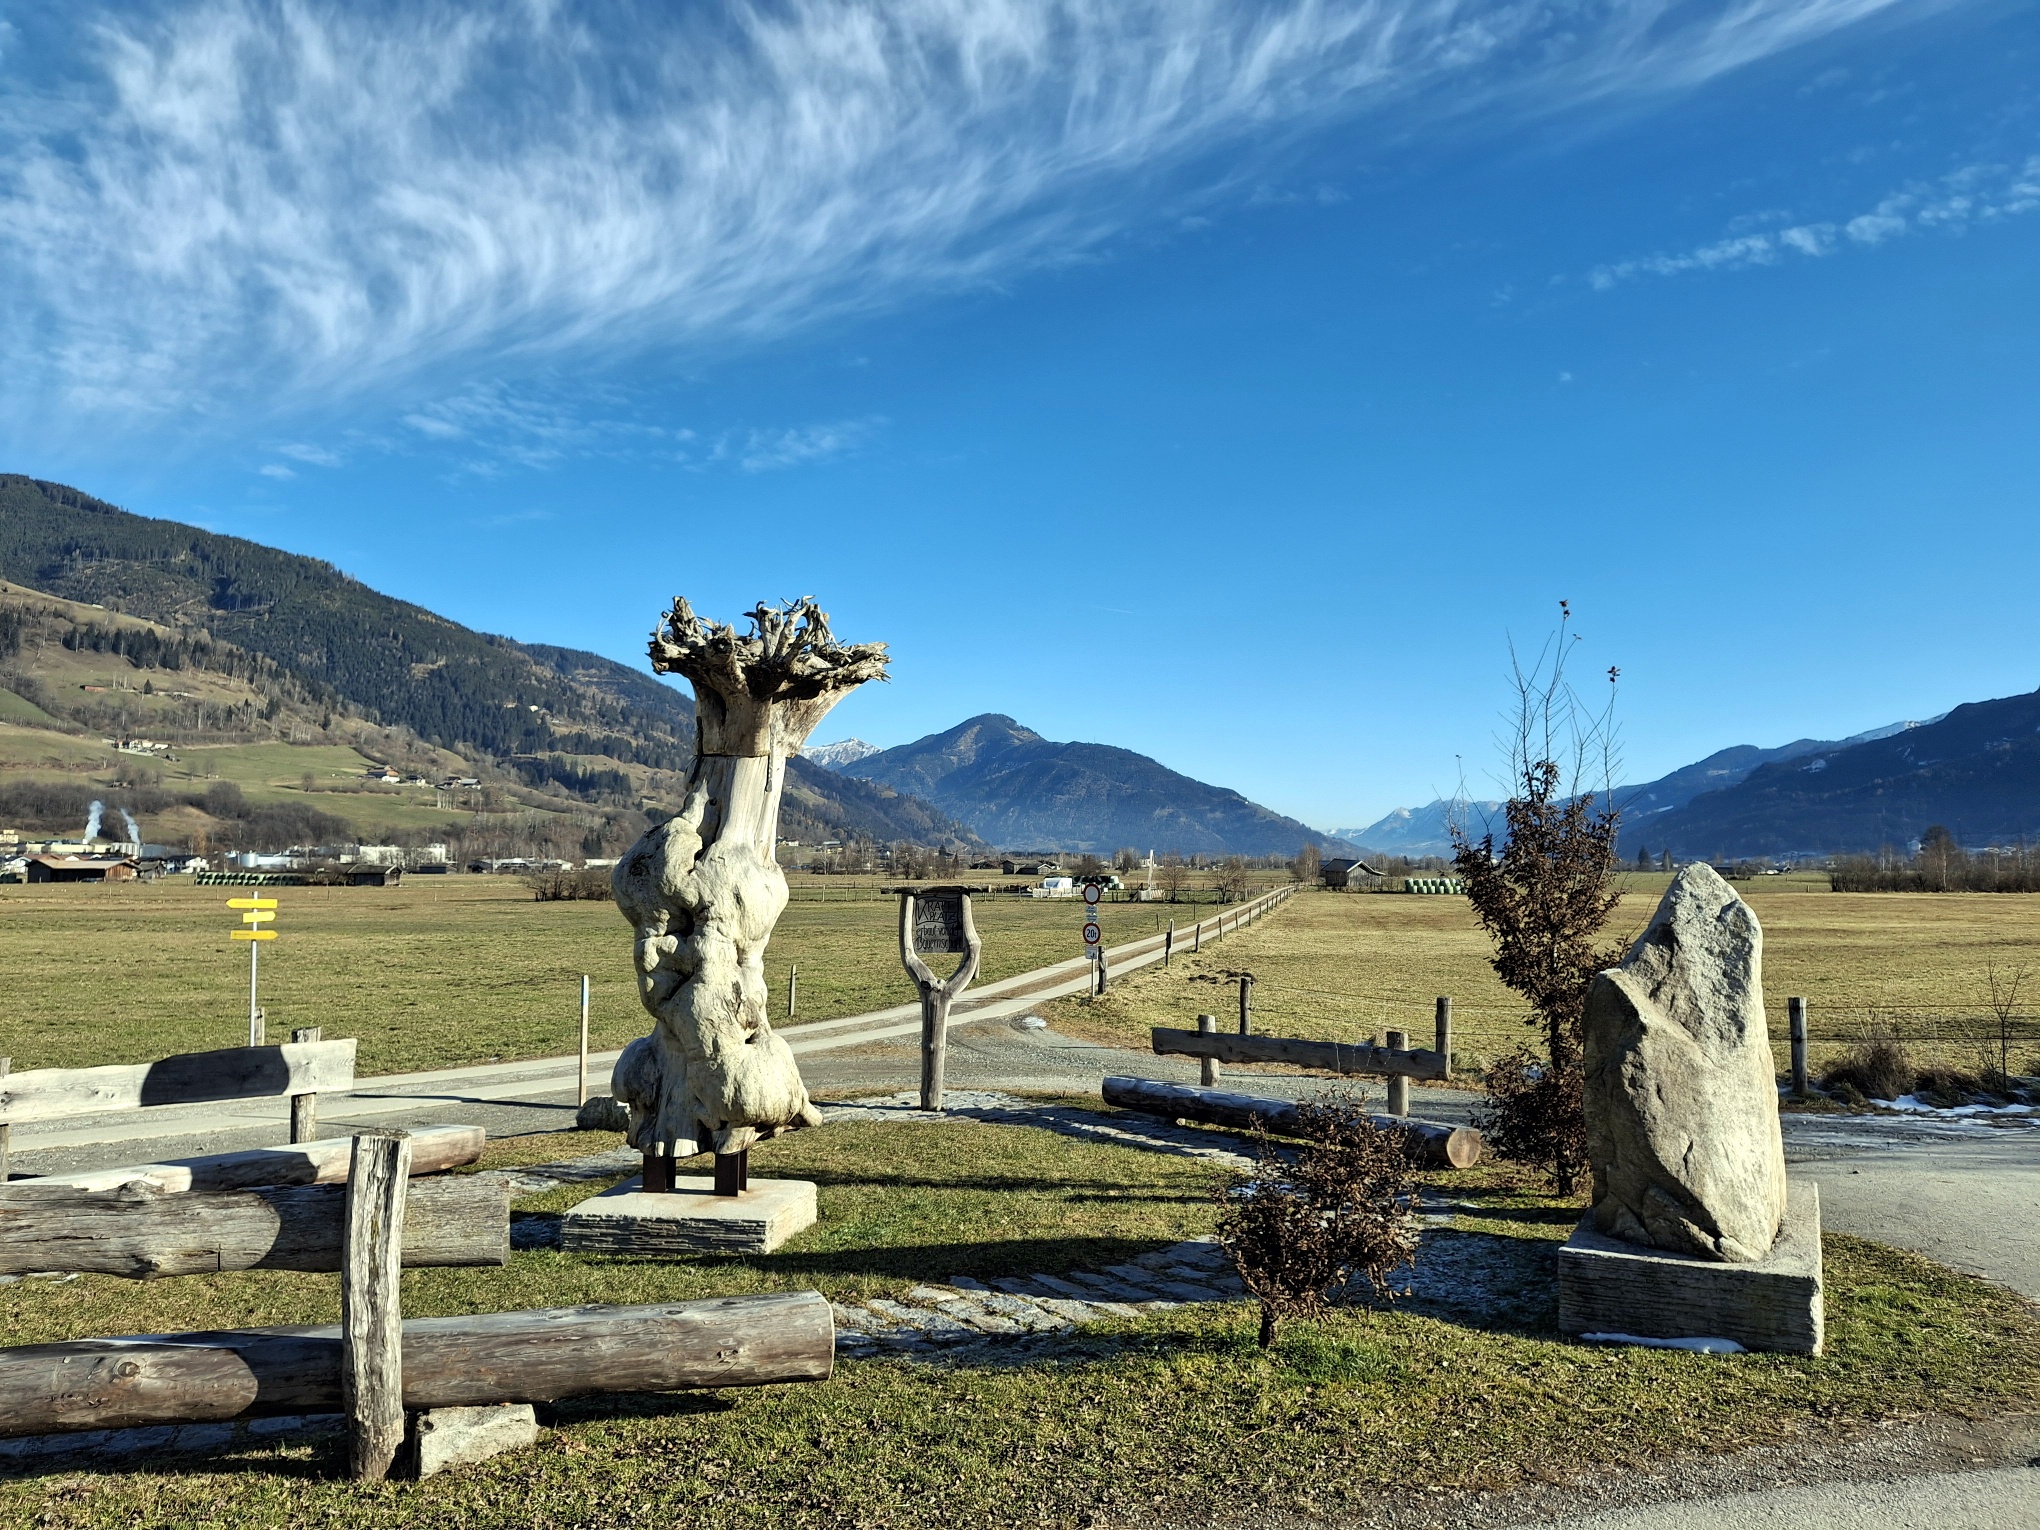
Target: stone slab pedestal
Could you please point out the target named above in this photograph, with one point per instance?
(1608, 1288)
(689, 1219)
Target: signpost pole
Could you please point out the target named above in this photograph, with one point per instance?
(256, 913)
(937, 920)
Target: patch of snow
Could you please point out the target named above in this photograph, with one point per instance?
(1912, 1105)
(1697, 1346)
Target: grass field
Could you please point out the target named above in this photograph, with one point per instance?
(269, 773)
(448, 970)
(1341, 967)
(435, 972)
(1169, 1419)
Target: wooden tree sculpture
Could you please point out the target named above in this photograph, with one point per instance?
(704, 891)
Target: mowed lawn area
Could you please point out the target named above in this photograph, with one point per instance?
(436, 972)
(1174, 1418)
(1345, 966)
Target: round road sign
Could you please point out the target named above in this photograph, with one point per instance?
(1091, 934)
(1091, 894)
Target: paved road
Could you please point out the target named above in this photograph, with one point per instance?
(2004, 1498)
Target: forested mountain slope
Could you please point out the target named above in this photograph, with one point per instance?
(558, 719)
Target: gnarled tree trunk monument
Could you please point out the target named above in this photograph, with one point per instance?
(704, 891)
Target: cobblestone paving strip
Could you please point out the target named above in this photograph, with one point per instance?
(1014, 1315)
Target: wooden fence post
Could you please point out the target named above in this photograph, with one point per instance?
(1398, 1084)
(1207, 1025)
(6, 1131)
(1795, 1010)
(304, 1108)
(1445, 1031)
(1197, 937)
(1168, 944)
(582, 1092)
(1246, 1002)
(371, 1313)
(792, 990)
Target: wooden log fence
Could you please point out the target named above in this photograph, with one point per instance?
(1329, 1056)
(194, 1078)
(147, 1234)
(1439, 1145)
(458, 1362)
(433, 1150)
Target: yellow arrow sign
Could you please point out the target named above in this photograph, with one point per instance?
(259, 916)
(253, 934)
(251, 903)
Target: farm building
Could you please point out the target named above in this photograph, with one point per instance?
(370, 874)
(80, 868)
(1342, 873)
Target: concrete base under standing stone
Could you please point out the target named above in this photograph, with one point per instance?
(1608, 1288)
(443, 1438)
(691, 1219)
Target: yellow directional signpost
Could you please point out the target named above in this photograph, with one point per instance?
(256, 913)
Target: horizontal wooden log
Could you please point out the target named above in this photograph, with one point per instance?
(1440, 1146)
(237, 1073)
(147, 1234)
(1330, 1056)
(457, 1362)
(433, 1149)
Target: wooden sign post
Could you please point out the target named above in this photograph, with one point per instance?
(936, 921)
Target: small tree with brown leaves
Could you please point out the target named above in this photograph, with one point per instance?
(1303, 1231)
(1543, 895)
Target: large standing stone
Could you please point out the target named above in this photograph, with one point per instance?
(1681, 1101)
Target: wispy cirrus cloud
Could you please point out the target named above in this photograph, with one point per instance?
(236, 205)
(1970, 196)
(765, 451)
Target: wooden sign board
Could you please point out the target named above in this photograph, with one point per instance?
(938, 923)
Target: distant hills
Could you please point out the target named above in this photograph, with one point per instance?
(569, 726)
(1975, 769)
(1019, 790)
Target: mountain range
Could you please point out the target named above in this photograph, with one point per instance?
(320, 658)
(569, 725)
(1020, 790)
(1975, 770)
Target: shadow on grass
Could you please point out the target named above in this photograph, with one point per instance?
(317, 1451)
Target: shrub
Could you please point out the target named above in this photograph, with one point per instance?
(1877, 1070)
(1534, 1113)
(591, 886)
(1300, 1231)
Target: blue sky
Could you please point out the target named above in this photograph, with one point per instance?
(1228, 383)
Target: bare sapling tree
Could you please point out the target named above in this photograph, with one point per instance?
(2005, 984)
(1543, 894)
(1173, 876)
(1309, 861)
(703, 890)
(1305, 1232)
(1231, 881)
